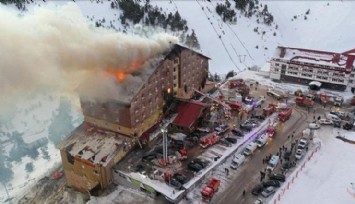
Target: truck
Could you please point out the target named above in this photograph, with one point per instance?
(262, 140)
(285, 114)
(209, 140)
(270, 109)
(273, 163)
(277, 93)
(323, 98)
(234, 105)
(236, 83)
(304, 101)
(338, 101)
(249, 150)
(237, 161)
(208, 192)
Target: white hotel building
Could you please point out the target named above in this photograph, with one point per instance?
(333, 70)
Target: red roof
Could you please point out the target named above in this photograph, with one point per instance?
(188, 113)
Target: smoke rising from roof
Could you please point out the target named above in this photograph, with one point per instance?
(57, 47)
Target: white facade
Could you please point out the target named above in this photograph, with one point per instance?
(329, 68)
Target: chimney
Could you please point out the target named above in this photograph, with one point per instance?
(283, 52)
(350, 61)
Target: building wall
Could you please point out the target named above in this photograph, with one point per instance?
(83, 175)
(112, 112)
(331, 77)
(193, 72)
(180, 72)
(79, 174)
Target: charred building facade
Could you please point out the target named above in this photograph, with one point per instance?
(177, 75)
(112, 124)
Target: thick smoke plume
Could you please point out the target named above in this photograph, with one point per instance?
(57, 47)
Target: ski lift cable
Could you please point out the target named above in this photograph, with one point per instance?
(235, 34)
(219, 36)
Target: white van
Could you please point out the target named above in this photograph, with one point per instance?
(261, 141)
(250, 149)
(237, 161)
(273, 162)
(333, 117)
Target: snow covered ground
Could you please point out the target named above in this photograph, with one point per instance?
(327, 177)
(329, 26)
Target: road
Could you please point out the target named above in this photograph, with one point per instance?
(249, 174)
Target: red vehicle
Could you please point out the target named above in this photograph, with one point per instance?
(234, 105)
(209, 140)
(324, 98)
(211, 188)
(182, 154)
(285, 114)
(236, 83)
(308, 102)
(270, 131)
(270, 109)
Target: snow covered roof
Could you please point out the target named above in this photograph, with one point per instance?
(342, 60)
(96, 145)
(315, 83)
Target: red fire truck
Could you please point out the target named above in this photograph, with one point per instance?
(209, 140)
(270, 109)
(211, 188)
(285, 114)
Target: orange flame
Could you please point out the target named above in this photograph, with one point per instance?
(120, 73)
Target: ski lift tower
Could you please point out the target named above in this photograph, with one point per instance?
(165, 160)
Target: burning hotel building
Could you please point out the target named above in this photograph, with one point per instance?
(111, 128)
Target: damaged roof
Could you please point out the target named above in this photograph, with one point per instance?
(94, 144)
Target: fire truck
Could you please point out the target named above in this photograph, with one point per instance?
(324, 99)
(209, 140)
(304, 101)
(270, 109)
(285, 114)
(236, 83)
(234, 105)
(208, 192)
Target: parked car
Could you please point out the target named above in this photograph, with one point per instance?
(237, 132)
(175, 183)
(268, 191)
(248, 125)
(258, 201)
(299, 154)
(180, 177)
(232, 140)
(225, 143)
(277, 177)
(314, 126)
(149, 157)
(237, 161)
(257, 189)
(273, 183)
(348, 126)
(201, 162)
(259, 117)
(303, 143)
(194, 167)
(324, 121)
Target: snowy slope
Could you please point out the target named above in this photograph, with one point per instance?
(328, 176)
(328, 27)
